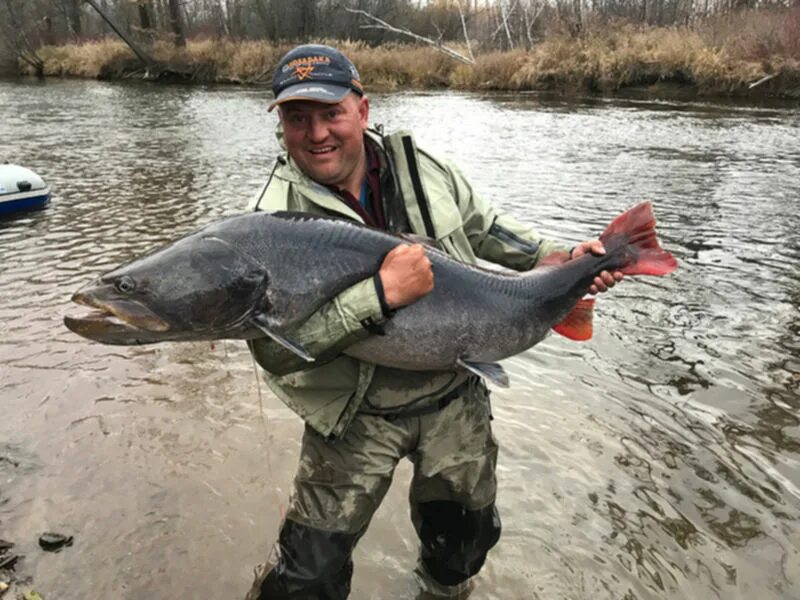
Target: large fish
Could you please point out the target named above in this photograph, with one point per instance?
(263, 273)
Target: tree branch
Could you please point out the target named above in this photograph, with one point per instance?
(529, 23)
(464, 29)
(505, 22)
(380, 24)
(764, 79)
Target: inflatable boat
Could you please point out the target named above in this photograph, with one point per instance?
(21, 190)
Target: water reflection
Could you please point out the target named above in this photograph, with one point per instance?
(660, 460)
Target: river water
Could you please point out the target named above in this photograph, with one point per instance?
(658, 460)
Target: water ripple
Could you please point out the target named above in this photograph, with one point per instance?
(658, 460)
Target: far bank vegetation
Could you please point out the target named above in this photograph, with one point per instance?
(704, 46)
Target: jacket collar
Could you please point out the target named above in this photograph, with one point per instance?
(313, 191)
(445, 219)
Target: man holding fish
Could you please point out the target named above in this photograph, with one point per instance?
(361, 419)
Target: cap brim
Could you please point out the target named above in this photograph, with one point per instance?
(315, 92)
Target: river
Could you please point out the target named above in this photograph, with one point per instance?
(658, 460)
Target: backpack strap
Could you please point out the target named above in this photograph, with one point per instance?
(403, 153)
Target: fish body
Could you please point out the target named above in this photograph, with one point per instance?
(263, 273)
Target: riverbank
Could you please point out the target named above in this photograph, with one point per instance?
(745, 54)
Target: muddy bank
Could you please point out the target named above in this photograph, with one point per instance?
(16, 579)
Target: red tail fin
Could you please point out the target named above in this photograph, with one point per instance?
(638, 226)
(578, 323)
(635, 227)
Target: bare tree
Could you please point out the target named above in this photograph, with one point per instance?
(176, 22)
(143, 8)
(504, 13)
(17, 40)
(265, 15)
(530, 15)
(74, 12)
(233, 13)
(464, 28)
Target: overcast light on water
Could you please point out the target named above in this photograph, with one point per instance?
(658, 460)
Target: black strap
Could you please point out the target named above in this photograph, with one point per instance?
(280, 160)
(416, 182)
(385, 308)
(512, 239)
(374, 328)
(431, 408)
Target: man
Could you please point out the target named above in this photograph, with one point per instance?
(361, 419)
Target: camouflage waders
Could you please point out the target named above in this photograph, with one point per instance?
(341, 483)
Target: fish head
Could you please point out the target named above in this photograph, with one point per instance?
(201, 287)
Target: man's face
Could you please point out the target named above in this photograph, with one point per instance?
(326, 140)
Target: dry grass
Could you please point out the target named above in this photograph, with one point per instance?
(495, 70)
(221, 60)
(396, 65)
(755, 35)
(613, 57)
(722, 55)
(83, 60)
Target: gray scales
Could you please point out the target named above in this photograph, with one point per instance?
(260, 274)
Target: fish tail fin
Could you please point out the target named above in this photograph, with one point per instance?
(636, 229)
(577, 325)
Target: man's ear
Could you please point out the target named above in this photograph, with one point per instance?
(363, 112)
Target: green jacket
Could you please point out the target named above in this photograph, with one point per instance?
(421, 194)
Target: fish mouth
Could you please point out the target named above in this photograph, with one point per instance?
(117, 321)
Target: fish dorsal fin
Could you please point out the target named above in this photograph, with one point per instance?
(491, 371)
(289, 215)
(411, 238)
(261, 323)
(294, 215)
(577, 325)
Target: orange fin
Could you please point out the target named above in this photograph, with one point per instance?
(638, 226)
(578, 324)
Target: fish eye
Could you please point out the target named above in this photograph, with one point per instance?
(125, 285)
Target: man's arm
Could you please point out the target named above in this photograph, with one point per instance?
(404, 276)
(503, 240)
(336, 325)
(497, 237)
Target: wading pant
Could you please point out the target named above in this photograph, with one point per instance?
(340, 484)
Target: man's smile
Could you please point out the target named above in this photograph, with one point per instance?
(322, 150)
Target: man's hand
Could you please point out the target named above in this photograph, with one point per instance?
(406, 275)
(604, 281)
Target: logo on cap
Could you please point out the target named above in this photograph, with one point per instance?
(303, 72)
(306, 60)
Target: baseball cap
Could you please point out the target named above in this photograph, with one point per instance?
(314, 72)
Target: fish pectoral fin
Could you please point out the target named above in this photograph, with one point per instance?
(491, 371)
(290, 345)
